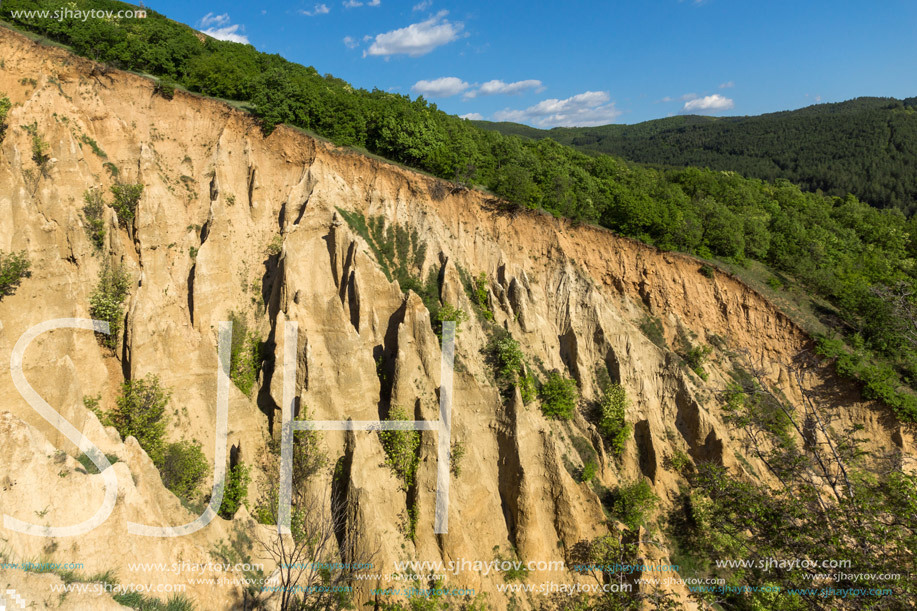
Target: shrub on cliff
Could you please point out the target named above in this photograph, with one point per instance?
(612, 424)
(107, 302)
(13, 268)
(558, 397)
(127, 197)
(140, 412)
(401, 448)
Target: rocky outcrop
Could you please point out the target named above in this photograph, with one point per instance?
(231, 220)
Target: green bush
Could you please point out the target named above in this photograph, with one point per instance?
(244, 355)
(13, 268)
(631, 503)
(696, 356)
(448, 312)
(401, 448)
(481, 294)
(127, 197)
(93, 212)
(558, 397)
(236, 490)
(456, 454)
(5, 106)
(183, 467)
(107, 302)
(507, 356)
(588, 472)
(612, 417)
(40, 147)
(140, 411)
(528, 388)
(680, 462)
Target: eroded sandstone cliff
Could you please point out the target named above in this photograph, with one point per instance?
(233, 221)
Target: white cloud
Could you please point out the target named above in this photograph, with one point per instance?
(472, 116)
(727, 85)
(320, 9)
(374, 2)
(584, 109)
(440, 88)
(416, 39)
(688, 96)
(352, 4)
(497, 87)
(424, 5)
(218, 26)
(210, 19)
(350, 43)
(667, 99)
(710, 103)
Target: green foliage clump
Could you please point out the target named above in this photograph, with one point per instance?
(528, 388)
(401, 448)
(680, 462)
(456, 454)
(126, 198)
(93, 211)
(401, 255)
(588, 472)
(40, 147)
(631, 503)
(140, 411)
(183, 467)
(236, 490)
(517, 570)
(612, 418)
(5, 106)
(559, 396)
(508, 357)
(244, 355)
(107, 302)
(481, 296)
(13, 268)
(94, 146)
(695, 357)
(275, 247)
(448, 312)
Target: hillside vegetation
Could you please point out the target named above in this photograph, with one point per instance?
(863, 146)
(858, 258)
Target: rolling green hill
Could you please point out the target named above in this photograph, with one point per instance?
(866, 146)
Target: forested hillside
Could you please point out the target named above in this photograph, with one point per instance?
(865, 146)
(857, 257)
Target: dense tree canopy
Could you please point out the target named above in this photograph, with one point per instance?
(863, 146)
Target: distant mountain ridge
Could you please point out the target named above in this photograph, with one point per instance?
(866, 146)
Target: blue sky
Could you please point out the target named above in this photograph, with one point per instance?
(587, 62)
